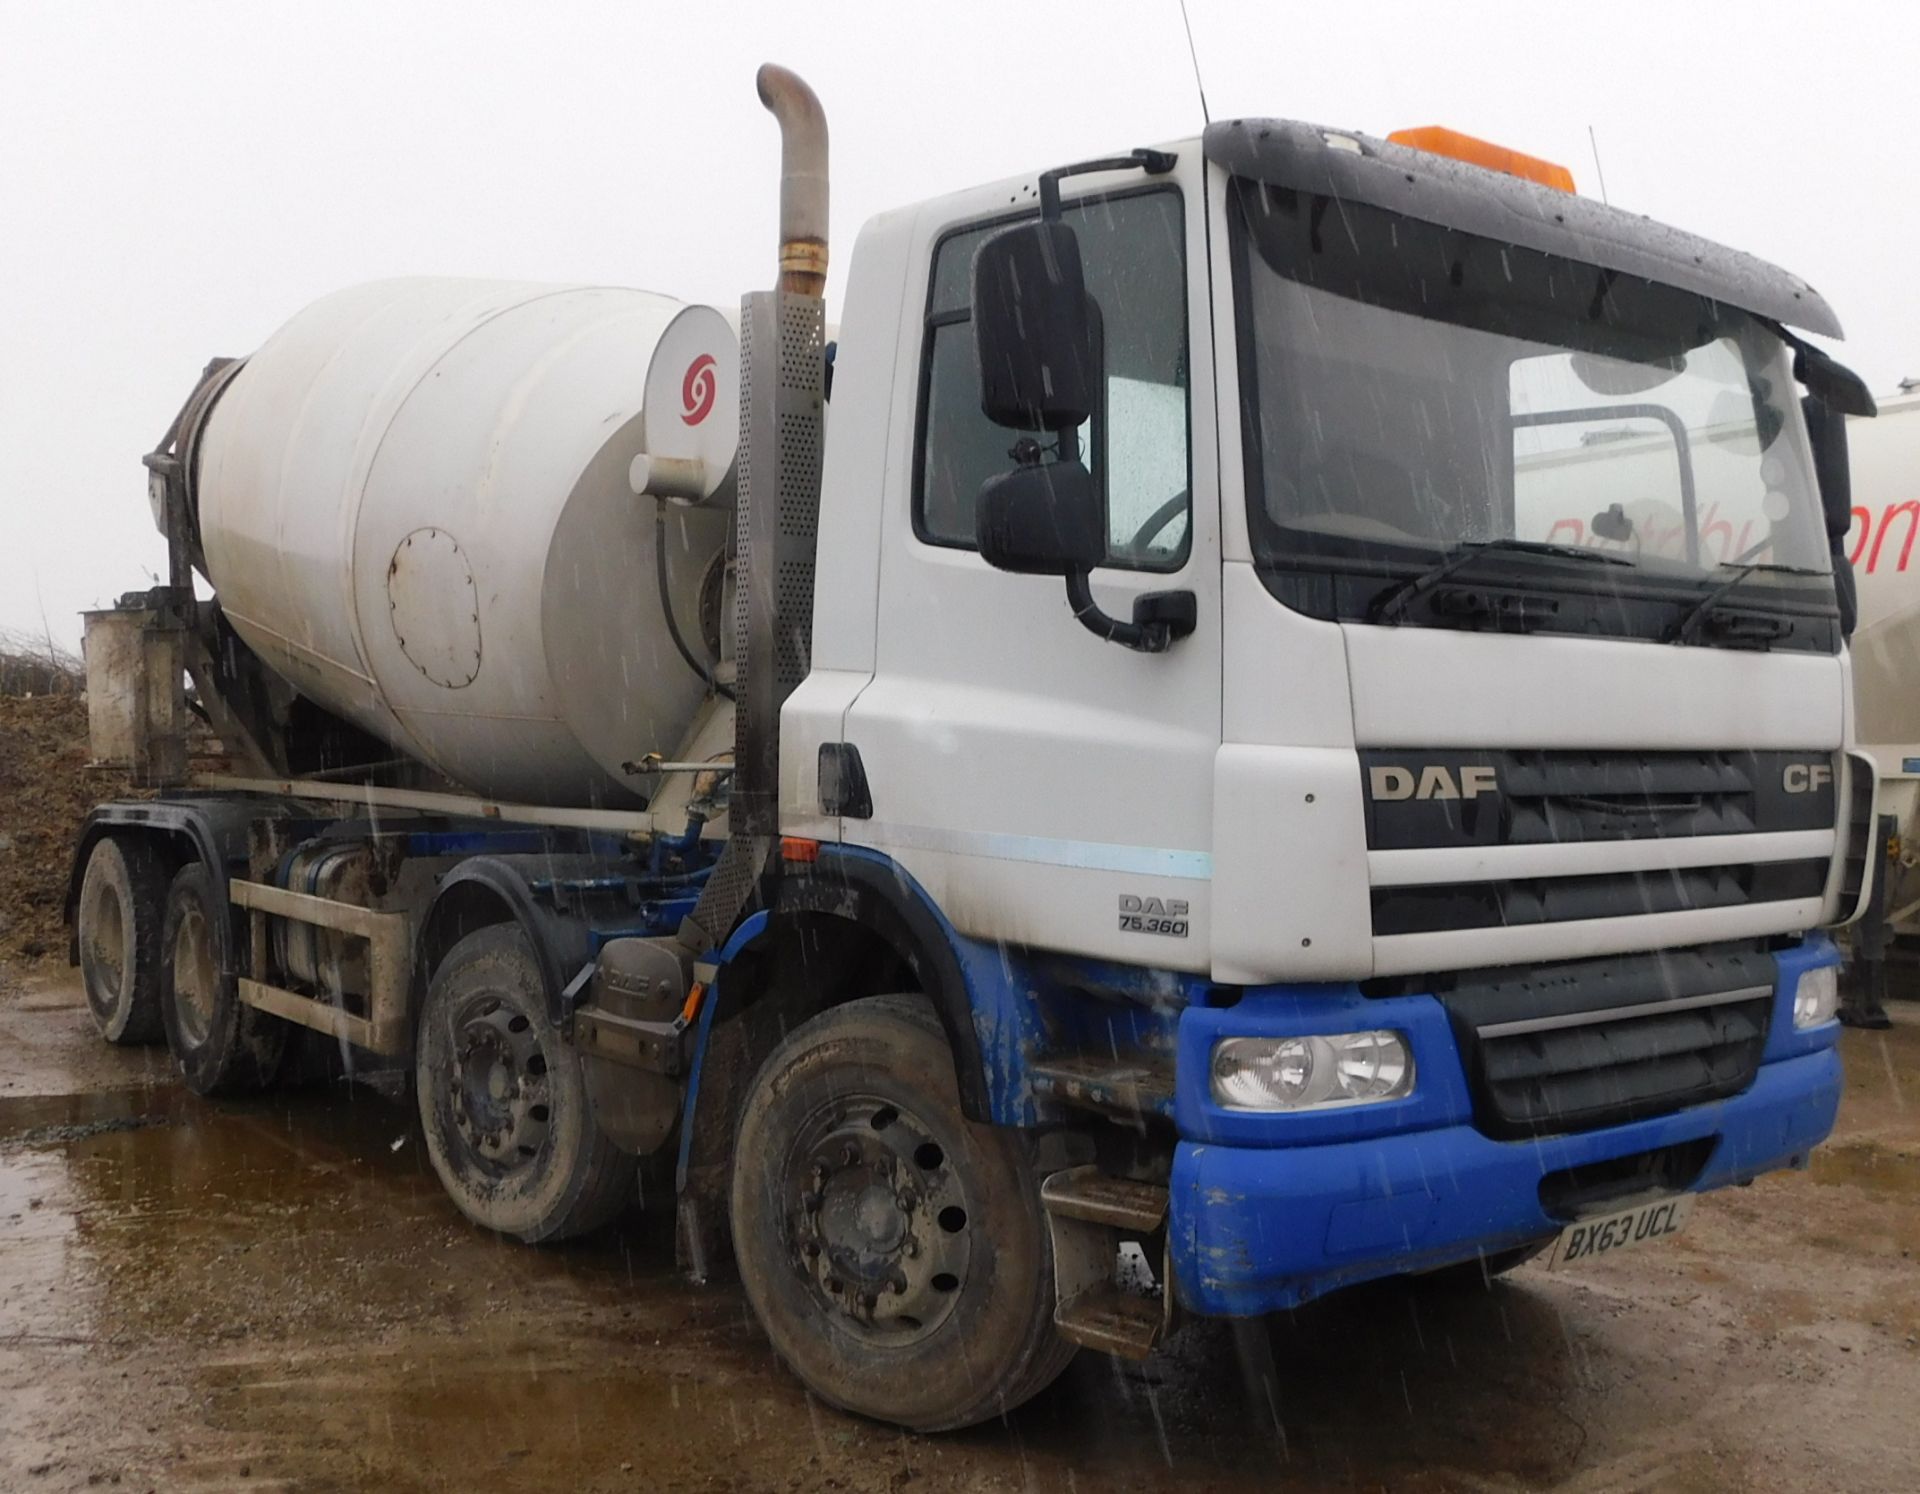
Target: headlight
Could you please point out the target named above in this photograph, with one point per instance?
(1817, 997)
(1311, 1073)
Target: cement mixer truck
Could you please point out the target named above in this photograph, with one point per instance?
(1085, 792)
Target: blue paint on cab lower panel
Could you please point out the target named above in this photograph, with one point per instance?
(1256, 1230)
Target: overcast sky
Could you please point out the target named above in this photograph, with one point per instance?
(176, 179)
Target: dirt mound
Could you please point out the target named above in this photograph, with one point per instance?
(45, 792)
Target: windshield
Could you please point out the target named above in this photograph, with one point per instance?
(1411, 389)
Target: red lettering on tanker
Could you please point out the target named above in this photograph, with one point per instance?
(1874, 542)
(1898, 522)
(697, 390)
(1719, 540)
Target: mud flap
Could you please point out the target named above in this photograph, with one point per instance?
(629, 1034)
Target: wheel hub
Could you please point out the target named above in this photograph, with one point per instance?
(194, 978)
(879, 1218)
(500, 1100)
(102, 950)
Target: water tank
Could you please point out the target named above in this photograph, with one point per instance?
(414, 504)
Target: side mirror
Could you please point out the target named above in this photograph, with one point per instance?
(1831, 382)
(1827, 436)
(1032, 331)
(1041, 520)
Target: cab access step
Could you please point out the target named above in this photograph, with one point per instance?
(1091, 1213)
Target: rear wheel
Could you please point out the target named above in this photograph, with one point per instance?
(223, 1047)
(503, 1099)
(895, 1252)
(117, 926)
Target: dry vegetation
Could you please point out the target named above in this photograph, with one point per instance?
(38, 666)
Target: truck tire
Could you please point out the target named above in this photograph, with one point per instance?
(223, 1047)
(116, 925)
(503, 1099)
(895, 1252)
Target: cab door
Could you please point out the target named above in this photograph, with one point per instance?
(1048, 788)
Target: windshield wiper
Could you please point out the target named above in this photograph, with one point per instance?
(1391, 605)
(1691, 626)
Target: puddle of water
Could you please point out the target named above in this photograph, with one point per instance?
(326, 1318)
(36, 1238)
(1868, 1164)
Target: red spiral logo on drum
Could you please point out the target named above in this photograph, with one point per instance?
(698, 389)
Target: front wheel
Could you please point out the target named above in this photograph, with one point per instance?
(895, 1252)
(503, 1101)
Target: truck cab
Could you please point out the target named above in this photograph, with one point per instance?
(1468, 853)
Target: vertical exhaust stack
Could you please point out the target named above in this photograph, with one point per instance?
(782, 441)
(777, 494)
(803, 179)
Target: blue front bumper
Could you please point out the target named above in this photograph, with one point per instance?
(1268, 1211)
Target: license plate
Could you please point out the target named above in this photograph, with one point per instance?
(1608, 1234)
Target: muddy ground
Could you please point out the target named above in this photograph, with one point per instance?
(46, 790)
(274, 1295)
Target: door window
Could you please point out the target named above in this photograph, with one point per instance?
(1138, 445)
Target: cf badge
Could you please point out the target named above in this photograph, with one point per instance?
(1806, 778)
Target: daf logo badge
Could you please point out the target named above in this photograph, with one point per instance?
(1806, 778)
(1154, 915)
(1431, 782)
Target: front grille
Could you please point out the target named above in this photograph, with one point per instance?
(1487, 905)
(1573, 1191)
(1420, 798)
(1592, 1043)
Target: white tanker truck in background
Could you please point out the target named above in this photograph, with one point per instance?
(1556, 489)
(1294, 718)
(1880, 544)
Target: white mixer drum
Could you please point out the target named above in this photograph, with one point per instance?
(414, 504)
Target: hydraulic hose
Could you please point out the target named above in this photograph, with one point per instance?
(705, 671)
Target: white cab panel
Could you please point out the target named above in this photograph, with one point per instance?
(854, 486)
(1290, 866)
(1029, 774)
(874, 385)
(812, 716)
(1286, 673)
(1442, 687)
